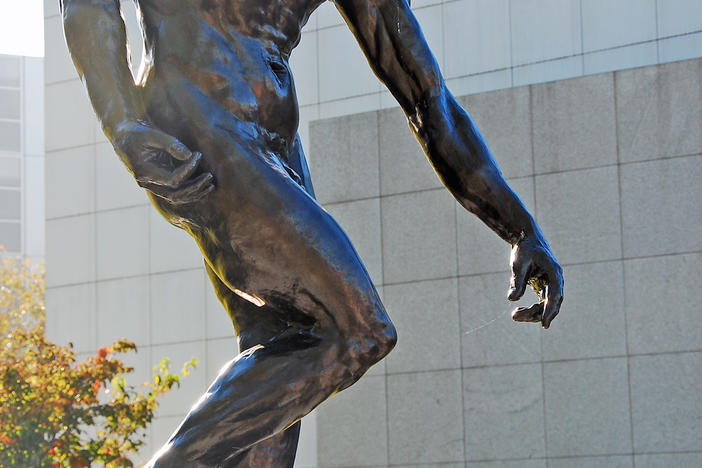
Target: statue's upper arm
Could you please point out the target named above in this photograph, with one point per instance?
(392, 40)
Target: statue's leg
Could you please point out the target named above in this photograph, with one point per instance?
(275, 452)
(263, 392)
(270, 242)
(335, 329)
(253, 326)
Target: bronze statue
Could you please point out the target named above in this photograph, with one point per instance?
(210, 131)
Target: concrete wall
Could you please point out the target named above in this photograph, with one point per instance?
(611, 166)
(113, 264)
(484, 45)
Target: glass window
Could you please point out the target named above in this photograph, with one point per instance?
(10, 136)
(10, 236)
(10, 204)
(9, 71)
(9, 172)
(9, 104)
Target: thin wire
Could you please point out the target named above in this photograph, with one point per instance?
(499, 316)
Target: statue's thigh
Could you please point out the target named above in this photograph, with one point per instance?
(262, 234)
(295, 261)
(252, 325)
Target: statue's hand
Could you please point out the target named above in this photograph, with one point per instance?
(160, 163)
(533, 263)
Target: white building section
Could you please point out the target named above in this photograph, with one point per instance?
(22, 155)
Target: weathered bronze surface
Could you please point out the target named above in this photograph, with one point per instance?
(210, 131)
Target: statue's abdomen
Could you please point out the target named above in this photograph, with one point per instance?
(243, 76)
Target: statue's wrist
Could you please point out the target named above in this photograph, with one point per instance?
(529, 233)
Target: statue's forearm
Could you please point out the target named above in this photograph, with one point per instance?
(462, 160)
(392, 40)
(96, 38)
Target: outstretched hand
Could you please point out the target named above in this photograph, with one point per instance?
(160, 163)
(533, 263)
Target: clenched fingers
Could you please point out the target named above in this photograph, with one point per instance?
(169, 144)
(183, 172)
(188, 193)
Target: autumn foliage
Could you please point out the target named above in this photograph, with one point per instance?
(54, 410)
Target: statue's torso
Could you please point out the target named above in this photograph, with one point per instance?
(234, 52)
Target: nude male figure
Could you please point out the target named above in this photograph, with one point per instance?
(210, 130)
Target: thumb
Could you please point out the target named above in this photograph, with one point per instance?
(179, 151)
(170, 144)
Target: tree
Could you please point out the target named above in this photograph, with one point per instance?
(52, 410)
